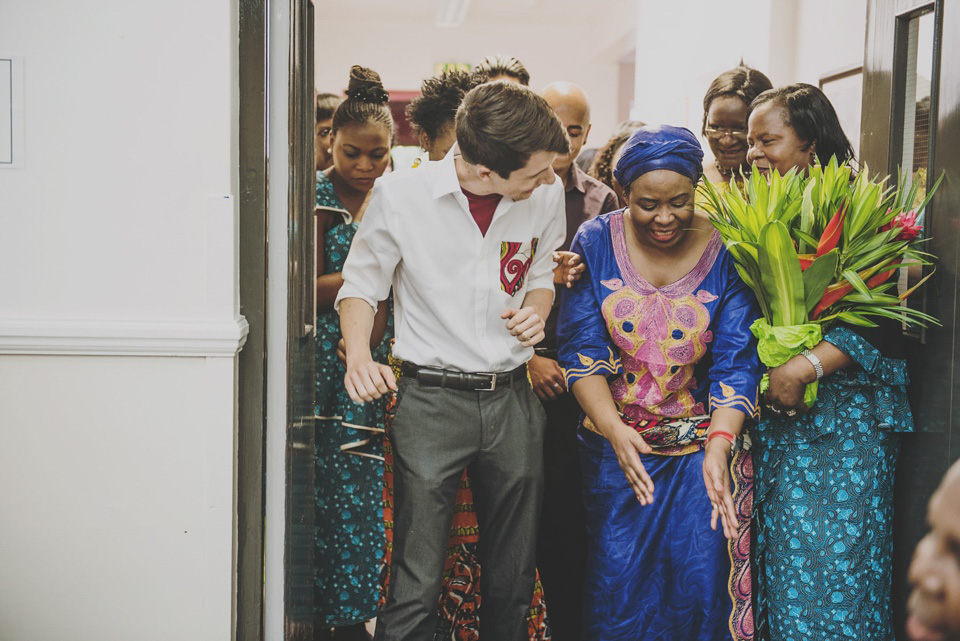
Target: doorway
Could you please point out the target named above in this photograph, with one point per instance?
(910, 120)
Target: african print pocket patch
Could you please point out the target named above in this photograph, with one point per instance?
(515, 261)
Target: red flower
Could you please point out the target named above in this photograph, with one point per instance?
(907, 222)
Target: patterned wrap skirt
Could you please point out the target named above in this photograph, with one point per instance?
(658, 571)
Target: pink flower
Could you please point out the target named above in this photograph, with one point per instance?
(907, 222)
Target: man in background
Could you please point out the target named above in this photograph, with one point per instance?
(562, 541)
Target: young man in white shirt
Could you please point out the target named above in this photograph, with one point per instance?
(466, 243)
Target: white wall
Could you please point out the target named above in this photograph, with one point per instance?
(577, 42)
(680, 52)
(119, 237)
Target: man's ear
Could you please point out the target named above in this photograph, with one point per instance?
(484, 173)
(586, 134)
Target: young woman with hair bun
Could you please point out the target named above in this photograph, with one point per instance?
(349, 525)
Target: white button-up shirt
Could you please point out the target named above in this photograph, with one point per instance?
(450, 282)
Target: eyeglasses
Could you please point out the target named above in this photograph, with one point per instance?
(716, 133)
(323, 132)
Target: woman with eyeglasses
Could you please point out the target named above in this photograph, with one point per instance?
(725, 109)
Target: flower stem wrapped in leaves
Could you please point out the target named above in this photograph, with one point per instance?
(820, 249)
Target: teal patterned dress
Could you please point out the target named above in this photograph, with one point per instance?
(824, 503)
(349, 469)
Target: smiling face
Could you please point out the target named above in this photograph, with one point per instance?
(934, 604)
(661, 208)
(774, 143)
(726, 131)
(361, 154)
(522, 182)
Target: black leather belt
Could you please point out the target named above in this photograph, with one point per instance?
(473, 381)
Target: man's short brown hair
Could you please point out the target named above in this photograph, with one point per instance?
(501, 124)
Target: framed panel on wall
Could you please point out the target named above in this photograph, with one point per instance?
(844, 88)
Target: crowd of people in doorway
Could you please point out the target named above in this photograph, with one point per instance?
(538, 408)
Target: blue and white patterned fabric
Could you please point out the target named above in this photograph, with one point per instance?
(824, 503)
(350, 537)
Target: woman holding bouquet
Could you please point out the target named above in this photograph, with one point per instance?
(824, 484)
(655, 344)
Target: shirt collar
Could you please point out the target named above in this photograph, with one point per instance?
(447, 181)
(576, 179)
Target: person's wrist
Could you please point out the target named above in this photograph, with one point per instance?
(723, 445)
(357, 356)
(803, 369)
(611, 428)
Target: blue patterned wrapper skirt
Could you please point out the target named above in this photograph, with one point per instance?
(654, 572)
(824, 540)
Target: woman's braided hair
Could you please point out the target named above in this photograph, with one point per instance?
(366, 101)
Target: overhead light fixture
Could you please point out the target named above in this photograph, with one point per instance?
(451, 13)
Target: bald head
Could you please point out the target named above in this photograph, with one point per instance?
(572, 107)
(565, 96)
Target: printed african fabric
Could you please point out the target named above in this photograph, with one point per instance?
(824, 503)
(459, 599)
(349, 536)
(671, 355)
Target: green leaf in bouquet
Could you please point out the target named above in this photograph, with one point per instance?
(807, 219)
(881, 254)
(867, 244)
(854, 279)
(864, 202)
(806, 238)
(781, 277)
(816, 278)
(873, 298)
(853, 318)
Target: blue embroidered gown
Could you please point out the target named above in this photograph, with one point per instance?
(658, 571)
(350, 537)
(824, 502)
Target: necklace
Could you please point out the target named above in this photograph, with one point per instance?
(727, 174)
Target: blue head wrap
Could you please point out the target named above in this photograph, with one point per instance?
(660, 147)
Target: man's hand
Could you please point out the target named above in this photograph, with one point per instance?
(547, 378)
(367, 380)
(569, 269)
(524, 323)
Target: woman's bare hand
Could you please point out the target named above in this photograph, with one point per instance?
(787, 384)
(626, 443)
(716, 478)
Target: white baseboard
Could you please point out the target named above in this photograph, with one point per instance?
(86, 337)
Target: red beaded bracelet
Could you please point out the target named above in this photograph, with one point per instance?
(727, 436)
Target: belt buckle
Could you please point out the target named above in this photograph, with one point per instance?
(493, 381)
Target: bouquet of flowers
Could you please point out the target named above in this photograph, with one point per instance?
(820, 249)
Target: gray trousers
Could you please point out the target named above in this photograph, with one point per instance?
(436, 433)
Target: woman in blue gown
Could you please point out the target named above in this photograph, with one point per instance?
(655, 344)
(350, 537)
(824, 483)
